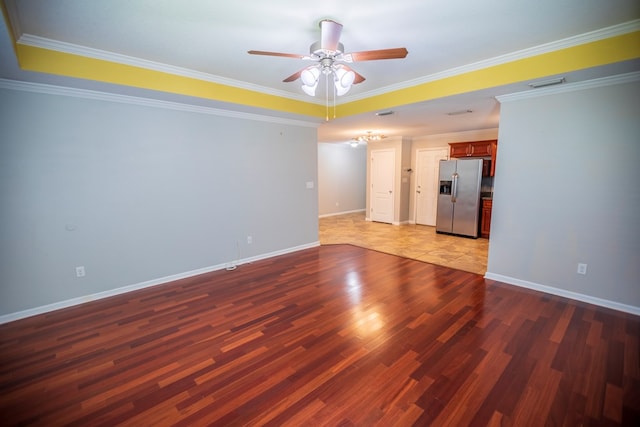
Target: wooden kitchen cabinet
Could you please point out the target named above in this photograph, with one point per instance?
(481, 149)
(475, 149)
(459, 149)
(485, 218)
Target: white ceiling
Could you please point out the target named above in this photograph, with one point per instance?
(213, 37)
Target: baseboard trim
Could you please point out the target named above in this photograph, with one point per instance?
(391, 223)
(341, 213)
(147, 284)
(564, 293)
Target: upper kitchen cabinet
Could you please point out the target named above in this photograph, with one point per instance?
(458, 149)
(475, 149)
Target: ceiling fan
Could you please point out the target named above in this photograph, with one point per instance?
(331, 58)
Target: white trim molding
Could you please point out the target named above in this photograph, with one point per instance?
(601, 34)
(59, 46)
(570, 87)
(87, 52)
(147, 284)
(563, 293)
(146, 102)
(341, 213)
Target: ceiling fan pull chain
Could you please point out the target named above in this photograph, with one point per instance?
(326, 97)
(335, 90)
(335, 96)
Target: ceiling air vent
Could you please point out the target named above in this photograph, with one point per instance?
(536, 85)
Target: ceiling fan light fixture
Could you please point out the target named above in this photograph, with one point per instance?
(329, 53)
(344, 78)
(310, 75)
(341, 90)
(310, 89)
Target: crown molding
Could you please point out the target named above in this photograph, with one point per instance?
(73, 49)
(571, 87)
(146, 102)
(45, 43)
(601, 34)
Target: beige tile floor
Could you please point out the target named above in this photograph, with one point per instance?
(419, 242)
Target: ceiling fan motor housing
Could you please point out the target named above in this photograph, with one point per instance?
(316, 50)
(327, 65)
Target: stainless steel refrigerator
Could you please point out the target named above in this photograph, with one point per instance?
(458, 209)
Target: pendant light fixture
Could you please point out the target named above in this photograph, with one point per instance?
(369, 137)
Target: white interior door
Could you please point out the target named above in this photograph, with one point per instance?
(382, 185)
(427, 164)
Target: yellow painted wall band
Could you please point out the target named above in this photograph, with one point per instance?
(66, 64)
(593, 54)
(615, 49)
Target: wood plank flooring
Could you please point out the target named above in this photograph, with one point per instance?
(335, 336)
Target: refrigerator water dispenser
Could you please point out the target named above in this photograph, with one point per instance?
(445, 187)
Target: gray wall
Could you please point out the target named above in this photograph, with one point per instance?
(342, 176)
(567, 191)
(137, 193)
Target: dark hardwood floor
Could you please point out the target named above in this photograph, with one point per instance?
(336, 335)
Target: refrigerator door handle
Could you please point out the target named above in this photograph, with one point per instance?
(454, 190)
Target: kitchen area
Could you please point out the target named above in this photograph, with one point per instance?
(465, 189)
(414, 173)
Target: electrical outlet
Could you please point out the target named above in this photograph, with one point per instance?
(249, 240)
(582, 269)
(80, 271)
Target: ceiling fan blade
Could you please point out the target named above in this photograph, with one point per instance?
(330, 32)
(286, 55)
(293, 77)
(359, 77)
(371, 55)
